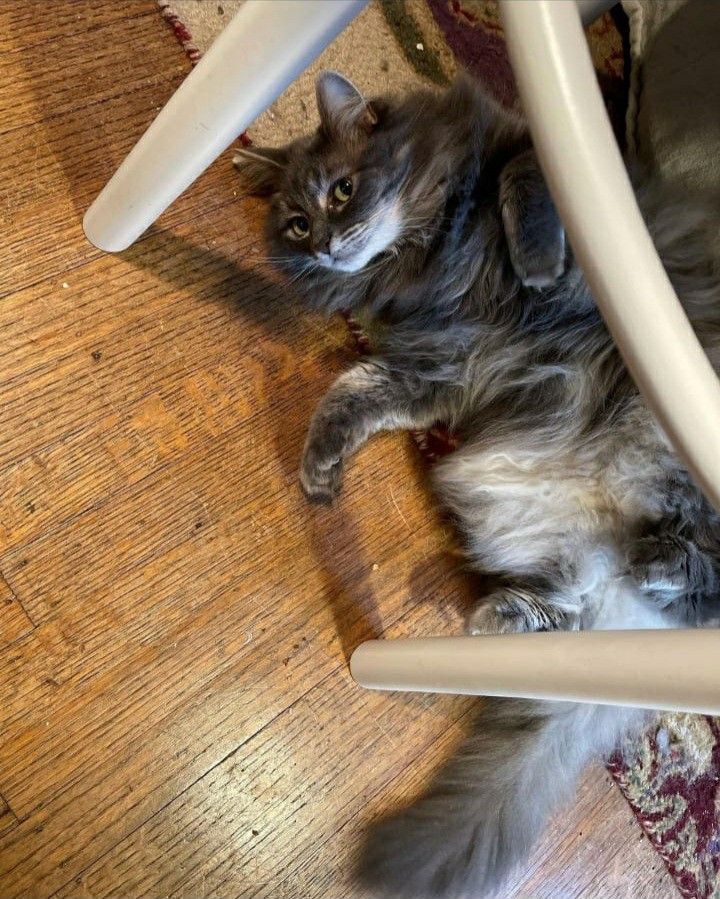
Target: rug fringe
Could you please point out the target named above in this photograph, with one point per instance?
(180, 30)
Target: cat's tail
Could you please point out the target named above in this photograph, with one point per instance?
(483, 813)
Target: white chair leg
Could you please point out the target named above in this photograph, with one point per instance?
(590, 186)
(606, 667)
(261, 51)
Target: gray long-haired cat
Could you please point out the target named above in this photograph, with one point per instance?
(430, 212)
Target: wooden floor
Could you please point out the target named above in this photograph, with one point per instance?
(176, 716)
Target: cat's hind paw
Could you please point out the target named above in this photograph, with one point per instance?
(515, 611)
(488, 620)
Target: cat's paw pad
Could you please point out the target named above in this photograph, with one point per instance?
(321, 485)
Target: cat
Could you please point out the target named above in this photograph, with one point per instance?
(430, 213)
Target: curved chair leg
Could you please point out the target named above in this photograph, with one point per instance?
(591, 189)
(262, 50)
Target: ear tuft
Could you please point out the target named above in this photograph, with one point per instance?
(261, 168)
(342, 107)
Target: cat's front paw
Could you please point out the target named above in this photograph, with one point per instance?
(320, 484)
(321, 469)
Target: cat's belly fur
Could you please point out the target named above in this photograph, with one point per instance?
(527, 510)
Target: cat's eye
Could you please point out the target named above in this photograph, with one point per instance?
(300, 226)
(342, 190)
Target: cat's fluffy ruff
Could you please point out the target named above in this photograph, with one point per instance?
(564, 488)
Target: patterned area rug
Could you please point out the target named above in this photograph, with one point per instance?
(671, 777)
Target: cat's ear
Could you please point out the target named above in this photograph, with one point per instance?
(261, 168)
(342, 107)
(534, 232)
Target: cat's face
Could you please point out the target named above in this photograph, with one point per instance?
(337, 198)
(334, 212)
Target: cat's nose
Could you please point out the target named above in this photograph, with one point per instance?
(322, 243)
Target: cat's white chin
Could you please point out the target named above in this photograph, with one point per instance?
(339, 265)
(381, 238)
(353, 264)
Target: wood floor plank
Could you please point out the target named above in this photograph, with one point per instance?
(178, 853)
(97, 71)
(164, 599)
(14, 621)
(108, 801)
(175, 308)
(8, 819)
(159, 428)
(86, 469)
(27, 24)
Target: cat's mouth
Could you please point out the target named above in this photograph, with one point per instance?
(342, 262)
(368, 243)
